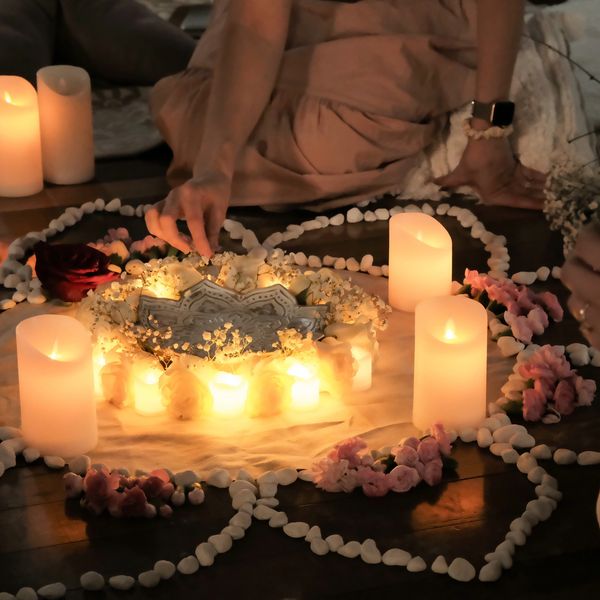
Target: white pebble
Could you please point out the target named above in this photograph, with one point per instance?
(509, 346)
(149, 579)
(556, 272)
(354, 215)
(247, 507)
(395, 557)
(337, 219)
(510, 457)
(296, 529)
(270, 502)
(484, 438)
(439, 565)
(442, 209)
(300, 259)
(263, 513)
(196, 496)
(314, 261)
(506, 546)
(313, 532)
(219, 478)
(240, 484)
(521, 524)
(543, 273)
(504, 434)
(517, 537)
(26, 593)
(7, 304)
(541, 510)
(306, 475)
(334, 541)
(588, 457)
(241, 519)
(279, 519)
(382, 214)
(319, 547)
(461, 569)
(165, 569)
(352, 265)
(366, 262)
(526, 463)
(205, 554)
(416, 564)
(548, 491)
(52, 591)
(536, 475)
(185, 478)
(541, 452)
(375, 271)
(121, 582)
(467, 434)
(350, 549)
(242, 497)
(127, 211)
(36, 297)
(370, 216)
(221, 541)
(369, 552)
(340, 263)
(490, 571)
(312, 225)
(31, 454)
(80, 464)
(267, 490)
(562, 456)
(550, 419)
(54, 462)
(113, 206)
(236, 533)
(286, 476)
(92, 581)
(178, 497)
(497, 448)
(522, 440)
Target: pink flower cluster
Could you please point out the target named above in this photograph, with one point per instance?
(527, 312)
(350, 465)
(122, 496)
(553, 384)
(118, 242)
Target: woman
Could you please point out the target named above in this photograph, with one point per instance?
(321, 104)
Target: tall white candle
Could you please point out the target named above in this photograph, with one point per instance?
(20, 148)
(56, 385)
(65, 100)
(450, 362)
(420, 260)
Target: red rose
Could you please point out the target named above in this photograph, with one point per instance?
(69, 271)
(133, 503)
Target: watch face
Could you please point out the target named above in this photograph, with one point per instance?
(503, 114)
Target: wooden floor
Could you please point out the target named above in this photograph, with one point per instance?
(45, 539)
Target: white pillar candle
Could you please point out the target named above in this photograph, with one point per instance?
(450, 363)
(420, 260)
(65, 100)
(58, 410)
(305, 388)
(229, 394)
(364, 367)
(20, 148)
(147, 395)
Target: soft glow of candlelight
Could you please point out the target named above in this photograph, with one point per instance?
(304, 392)
(147, 396)
(20, 144)
(58, 412)
(420, 260)
(229, 393)
(99, 362)
(363, 377)
(450, 362)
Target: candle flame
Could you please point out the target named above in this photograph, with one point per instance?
(300, 371)
(450, 331)
(8, 98)
(420, 235)
(229, 393)
(54, 354)
(151, 376)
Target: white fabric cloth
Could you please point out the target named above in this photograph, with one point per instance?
(382, 415)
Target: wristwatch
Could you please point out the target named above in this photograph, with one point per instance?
(498, 114)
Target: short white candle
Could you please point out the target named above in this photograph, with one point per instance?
(420, 260)
(450, 363)
(98, 363)
(229, 394)
(58, 410)
(147, 395)
(364, 368)
(20, 147)
(305, 388)
(65, 100)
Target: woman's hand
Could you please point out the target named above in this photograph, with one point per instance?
(202, 202)
(490, 168)
(581, 274)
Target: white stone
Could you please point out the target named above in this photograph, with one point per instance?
(6, 596)
(314, 261)
(52, 591)
(510, 457)
(509, 346)
(595, 357)
(263, 513)
(334, 541)
(490, 571)
(542, 510)
(178, 497)
(54, 462)
(165, 569)
(267, 490)
(551, 481)
(319, 547)
(7, 304)
(491, 423)
(92, 581)
(249, 240)
(19, 297)
(127, 211)
(31, 454)
(550, 419)
(416, 564)
(270, 502)
(241, 519)
(588, 457)
(442, 209)
(205, 554)
(340, 263)
(556, 272)
(279, 519)
(484, 438)
(312, 225)
(313, 532)
(562, 456)
(300, 259)
(186, 478)
(504, 434)
(354, 215)
(461, 569)
(439, 565)
(306, 475)
(350, 549)
(12, 281)
(241, 484)
(17, 444)
(382, 214)
(375, 271)
(517, 537)
(286, 476)
(221, 541)
(337, 219)
(506, 546)
(543, 273)
(80, 464)
(26, 593)
(396, 210)
(196, 496)
(580, 356)
(323, 220)
(385, 270)
(236, 533)
(522, 440)
(328, 261)
(500, 556)
(296, 529)
(521, 524)
(536, 475)
(526, 463)
(121, 582)
(548, 491)
(541, 452)
(467, 434)
(36, 297)
(497, 448)
(88, 208)
(242, 497)
(149, 579)
(366, 262)
(219, 478)
(113, 206)
(502, 417)
(370, 216)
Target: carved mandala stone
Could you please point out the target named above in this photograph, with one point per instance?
(207, 306)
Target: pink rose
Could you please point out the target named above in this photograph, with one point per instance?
(413, 442)
(586, 390)
(73, 485)
(520, 327)
(133, 503)
(406, 455)
(428, 449)
(525, 298)
(441, 437)
(403, 478)
(334, 476)
(374, 483)
(348, 450)
(161, 474)
(534, 404)
(552, 305)
(99, 486)
(118, 234)
(167, 491)
(149, 242)
(538, 320)
(165, 511)
(432, 473)
(564, 397)
(152, 486)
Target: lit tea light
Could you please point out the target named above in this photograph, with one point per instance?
(420, 260)
(229, 394)
(364, 369)
(98, 363)
(304, 392)
(450, 363)
(147, 396)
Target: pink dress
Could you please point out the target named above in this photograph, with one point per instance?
(362, 89)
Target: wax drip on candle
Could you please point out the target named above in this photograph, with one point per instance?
(450, 331)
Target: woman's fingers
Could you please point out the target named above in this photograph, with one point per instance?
(583, 281)
(214, 222)
(533, 175)
(588, 316)
(587, 247)
(152, 220)
(168, 224)
(194, 215)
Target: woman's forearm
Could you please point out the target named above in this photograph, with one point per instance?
(245, 73)
(499, 28)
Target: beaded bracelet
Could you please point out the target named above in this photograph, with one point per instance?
(487, 134)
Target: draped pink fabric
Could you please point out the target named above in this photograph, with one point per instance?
(361, 91)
